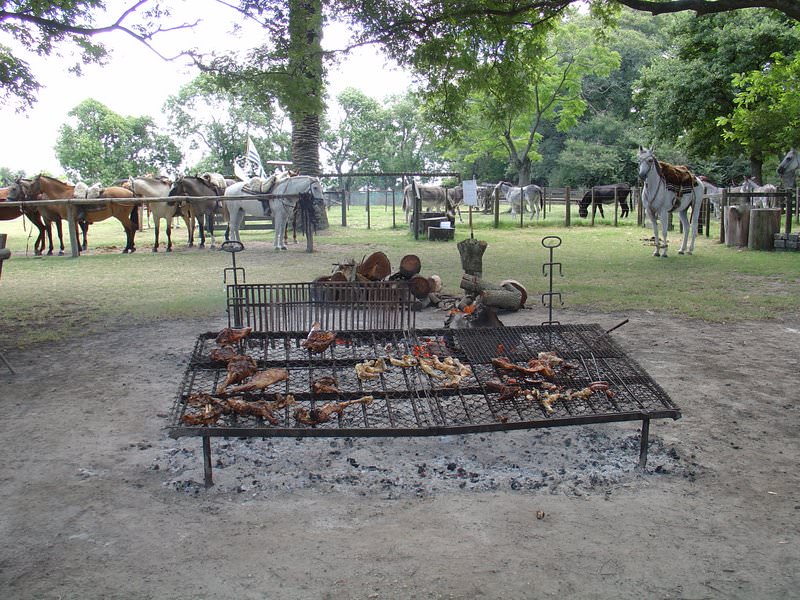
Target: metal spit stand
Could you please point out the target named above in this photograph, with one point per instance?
(234, 247)
(551, 242)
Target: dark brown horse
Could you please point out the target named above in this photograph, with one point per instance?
(18, 192)
(126, 213)
(201, 210)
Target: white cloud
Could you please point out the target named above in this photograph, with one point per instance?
(136, 82)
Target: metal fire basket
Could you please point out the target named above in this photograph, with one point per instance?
(409, 401)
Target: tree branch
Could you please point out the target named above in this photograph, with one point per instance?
(791, 8)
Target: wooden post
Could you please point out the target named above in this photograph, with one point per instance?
(723, 202)
(544, 203)
(394, 211)
(368, 215)
(344, 208)
(707, 202)
(73, 234)
(616, 208)
(788, 224)
(417, 208)
(764, 224)
(521, 208)
(594, 206)
(567, 207)
(496, 208)
(737, 225)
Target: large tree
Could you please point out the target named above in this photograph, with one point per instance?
(682, 94)
(101, 145)
(217, 122)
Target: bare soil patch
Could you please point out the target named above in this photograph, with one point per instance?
(97, 501)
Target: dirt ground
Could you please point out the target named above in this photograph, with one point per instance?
(96, 501)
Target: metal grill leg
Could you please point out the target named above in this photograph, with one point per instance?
(644, 441)
(5, 362)
(207, 461)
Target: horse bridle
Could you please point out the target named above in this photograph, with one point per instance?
(661, 180)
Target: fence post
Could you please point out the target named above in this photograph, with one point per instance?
(394, 218)
(521, 207)
(417, 208)
(616, 208)
(496, 208)
(368, 215)
(788, 225)
(73, 235)
(544, 203)
(567, 207)
(722, 204)
(344, 208)
(639, 207)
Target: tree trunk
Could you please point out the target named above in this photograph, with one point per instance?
(764, 224)
(756, 164)
(737, 224)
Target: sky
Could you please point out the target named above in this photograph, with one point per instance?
(136, 82)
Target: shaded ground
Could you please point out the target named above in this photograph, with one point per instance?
(98, 502)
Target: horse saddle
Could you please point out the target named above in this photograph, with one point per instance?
(260, 185)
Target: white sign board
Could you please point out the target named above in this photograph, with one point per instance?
(470, 187)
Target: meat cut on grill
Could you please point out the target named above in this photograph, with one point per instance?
(223, 354)
(315, 416)
(261, 380)
(240, 368)
(318, 341)
(229, 335)
(324, 385)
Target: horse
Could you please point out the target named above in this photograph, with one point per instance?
(127, 213)
(17, 192)
(433, 197)
(750, 186)
(200, 210)
(281, 208)
(156, 187)
(787, 168)
(531, 196)
(604, 194)
(666, 189)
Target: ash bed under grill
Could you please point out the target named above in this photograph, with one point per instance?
(411, 402)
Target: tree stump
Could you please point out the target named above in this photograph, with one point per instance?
(471, 251)
(764, 224)
(737, 224)
(410, 265)
(507, 299)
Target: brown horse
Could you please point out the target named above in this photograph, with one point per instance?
(126, 213)
(202, 210)
(18, 192)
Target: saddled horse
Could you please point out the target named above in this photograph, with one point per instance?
(667, 189)
(529, 197)
(156, 187)
(605, 194)
(281, 208)
(127, 213)
(17, 192)
(787, 169)
(202, 210)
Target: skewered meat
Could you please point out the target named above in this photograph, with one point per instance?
(239, 368)
(323, 414)
(318, 341)
(229, 336)
(324, 385)
(223, 354)
(260, 380)
(370, 369)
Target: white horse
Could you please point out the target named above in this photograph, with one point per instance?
(157, 187)
(281, 208)
(658, 201)
(788, 167)
(531, 195)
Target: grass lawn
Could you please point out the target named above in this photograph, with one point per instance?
(605, 268)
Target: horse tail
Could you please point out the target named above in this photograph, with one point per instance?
(135, 217)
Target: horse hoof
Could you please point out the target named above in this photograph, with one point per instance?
(155, 249)
(681, 252)
(169, 249)
(61, 253)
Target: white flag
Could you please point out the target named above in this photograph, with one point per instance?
(254, 158)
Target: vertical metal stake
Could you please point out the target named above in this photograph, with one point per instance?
(207, 461)
(645, 438)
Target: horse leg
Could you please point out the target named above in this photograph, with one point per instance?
(200, 224)
(654, 223)
(599, 206)
(664, 228)
(156, 227)
(60, 230)
(682, 215)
